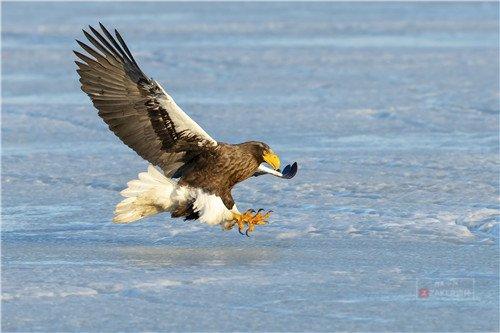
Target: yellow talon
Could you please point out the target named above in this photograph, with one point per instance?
(251, 219)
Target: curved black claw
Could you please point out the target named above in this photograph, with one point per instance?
(250, 211)
(246, 233)
(290, 171)
(260, 210)
(241, 232)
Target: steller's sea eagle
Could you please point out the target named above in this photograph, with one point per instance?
(141, 113)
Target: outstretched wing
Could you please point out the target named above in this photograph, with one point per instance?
(136, 108)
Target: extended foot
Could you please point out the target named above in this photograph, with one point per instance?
(249, 218)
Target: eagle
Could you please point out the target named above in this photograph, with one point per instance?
(198, 172)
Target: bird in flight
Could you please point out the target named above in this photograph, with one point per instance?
(198, 171)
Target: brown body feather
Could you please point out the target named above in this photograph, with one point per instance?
(218, 169)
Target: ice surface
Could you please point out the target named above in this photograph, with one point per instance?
(391, 111)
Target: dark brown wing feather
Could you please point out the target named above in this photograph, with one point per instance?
(135, 107)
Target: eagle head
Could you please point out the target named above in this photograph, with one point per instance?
(263, 153)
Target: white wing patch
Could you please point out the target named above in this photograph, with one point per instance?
(181, 120)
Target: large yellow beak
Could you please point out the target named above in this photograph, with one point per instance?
(272, 159)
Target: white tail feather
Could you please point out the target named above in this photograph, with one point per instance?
(146, 196)
(153, 193)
